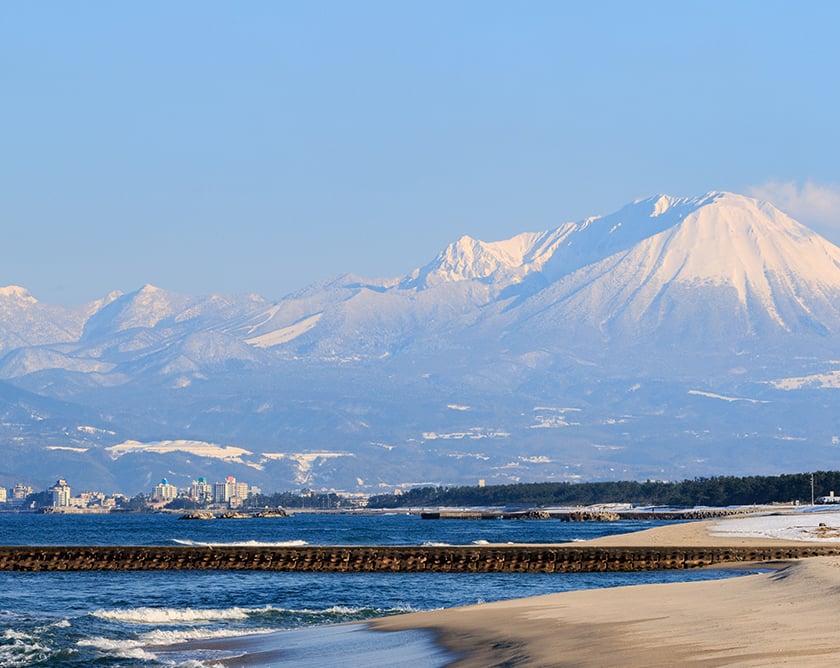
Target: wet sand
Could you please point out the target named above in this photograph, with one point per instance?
(338, 645)
(784, 617)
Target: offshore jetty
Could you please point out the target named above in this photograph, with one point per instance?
(406, 559)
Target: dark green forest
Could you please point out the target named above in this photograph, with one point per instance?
(311, 500)
(715, 491)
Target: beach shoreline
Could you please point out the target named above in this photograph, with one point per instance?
(785, 616)
(780, 614)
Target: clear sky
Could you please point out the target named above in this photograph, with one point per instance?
(231, 147)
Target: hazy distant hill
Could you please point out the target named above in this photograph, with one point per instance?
(673, 338)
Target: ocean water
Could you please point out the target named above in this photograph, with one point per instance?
(143, 618)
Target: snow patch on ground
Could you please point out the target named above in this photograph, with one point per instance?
(552, 417)
(93, 430)
(820, 524)
(473, 434)
(285, 334)
(712, 395)
(469, 455)
(305, 461)
(227, 453)
(817, 381)
(386, 446)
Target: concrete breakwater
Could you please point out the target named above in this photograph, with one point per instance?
(434, 559)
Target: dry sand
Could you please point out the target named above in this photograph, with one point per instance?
(687, 535)
(786, 617)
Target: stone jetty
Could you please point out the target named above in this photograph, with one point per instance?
(406, 559)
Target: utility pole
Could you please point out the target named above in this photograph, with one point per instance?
(812, 489)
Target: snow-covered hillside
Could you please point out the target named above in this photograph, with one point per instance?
(589, 351)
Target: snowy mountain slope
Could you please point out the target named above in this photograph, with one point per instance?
(702, 270)
(722, 265)
(672, 338)
(151, 328)
(24, 321)
(553, 252)
(733, 269)
(153, 308)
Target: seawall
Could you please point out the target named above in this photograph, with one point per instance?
(435, 559)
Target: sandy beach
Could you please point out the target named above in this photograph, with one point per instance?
(783, 617)
(783, 613)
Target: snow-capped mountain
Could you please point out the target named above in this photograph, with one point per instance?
(729, 271)
(24, 321)
(672, 338)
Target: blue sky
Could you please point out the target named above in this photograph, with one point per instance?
(260, 146)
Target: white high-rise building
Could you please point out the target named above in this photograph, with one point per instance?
(201, 490)
(230, 491)
(60, 493)
(164, 491)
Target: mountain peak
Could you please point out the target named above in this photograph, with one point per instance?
(17, 293)
(466, 259)
(706, 256)
(149, 290)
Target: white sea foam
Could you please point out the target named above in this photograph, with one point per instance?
(432, 543)
(11, 634)
(176, 615)
(245, 543)
(170, 637)
(21, 649)
(127, 649)
(347, 610)
(20, 654)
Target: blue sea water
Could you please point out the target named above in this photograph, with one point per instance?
(134, 618)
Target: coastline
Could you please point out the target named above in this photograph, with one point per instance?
(784, 616)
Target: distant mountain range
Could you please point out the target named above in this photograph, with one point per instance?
(674, 338)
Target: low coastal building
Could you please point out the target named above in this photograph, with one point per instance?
(86, 502)
(19, 494)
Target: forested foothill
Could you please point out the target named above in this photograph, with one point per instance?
(714, 491)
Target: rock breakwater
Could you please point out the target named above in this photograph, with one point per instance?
(435, 559)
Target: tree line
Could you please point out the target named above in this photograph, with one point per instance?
(714, 491)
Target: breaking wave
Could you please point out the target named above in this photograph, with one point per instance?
(21, 649)
(244, 543)
(198, 616)
(170, 637)
(174, 615)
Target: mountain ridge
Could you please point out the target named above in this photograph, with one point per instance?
(675, 336)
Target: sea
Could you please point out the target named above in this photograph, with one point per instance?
(195, 618)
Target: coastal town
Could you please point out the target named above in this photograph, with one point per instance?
(229, 493)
